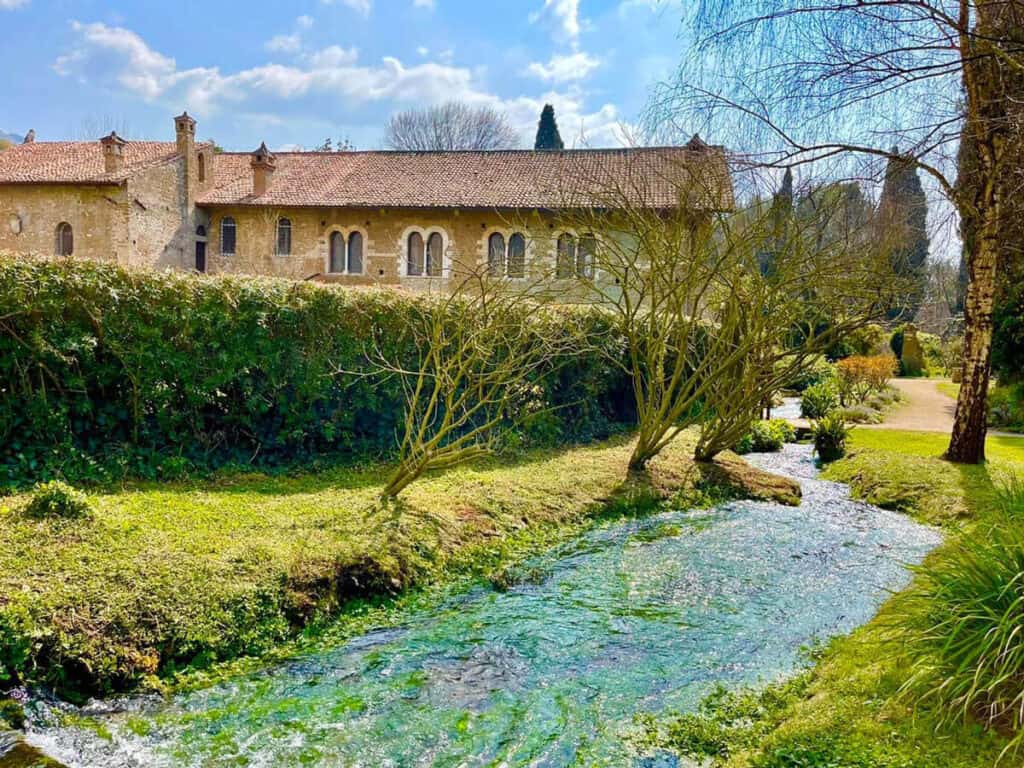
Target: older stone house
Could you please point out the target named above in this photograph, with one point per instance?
(410, 218)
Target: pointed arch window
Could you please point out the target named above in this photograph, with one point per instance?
(65, 240)
(227, 236)
(336, 261)
(516, 261)
(354, 264)
(435, 254)
(345, 255)
(585, 255)
(414, 261)
(284, 237)
(566, 261)
(496, 255)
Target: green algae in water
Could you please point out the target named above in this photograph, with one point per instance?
(633, 616)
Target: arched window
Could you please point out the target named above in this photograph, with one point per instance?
(585, 256)
(200, 231)
(516, 256)
(65, 239)
(566, 262)
(227, 236)
(355, 254)
(496, 255)
(337, 256)
(284, 237)
(435, 254)
(201, 162)
(415, 257)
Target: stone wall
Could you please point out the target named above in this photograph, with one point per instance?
(385, 235)
(98, 215)
(161, 228)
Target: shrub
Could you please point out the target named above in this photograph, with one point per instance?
(861, 414)
(868, 340)
(859, 376)
(964, 624)
(819, 400)
(1006, 407)
(108, 372)
(822, 370)
(830, 433)
(57, 499)
(766, 437)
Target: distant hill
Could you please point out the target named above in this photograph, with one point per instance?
(12, 137)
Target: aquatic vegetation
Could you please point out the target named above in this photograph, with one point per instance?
(634, 614)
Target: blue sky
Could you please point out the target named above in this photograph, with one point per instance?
(295, 73)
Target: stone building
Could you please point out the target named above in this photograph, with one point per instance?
(409, 218)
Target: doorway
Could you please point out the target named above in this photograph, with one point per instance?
(200, 249)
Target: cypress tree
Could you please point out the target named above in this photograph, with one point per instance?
(781, 212)
(547, 130)
(903, 214)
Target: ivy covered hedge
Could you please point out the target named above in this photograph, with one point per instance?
(107, 373)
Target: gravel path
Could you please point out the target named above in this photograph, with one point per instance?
(924, 408)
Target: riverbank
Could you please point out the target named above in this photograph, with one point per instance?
(167, 576)
(846, 710)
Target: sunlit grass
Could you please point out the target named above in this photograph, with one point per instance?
(852, 711)
(165, 575)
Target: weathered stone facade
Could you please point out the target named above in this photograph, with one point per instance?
(164, 206)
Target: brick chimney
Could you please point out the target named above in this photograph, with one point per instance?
(263, 165)
(185, 134)
(113, 153)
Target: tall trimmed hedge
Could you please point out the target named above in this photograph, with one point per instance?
(107, 372)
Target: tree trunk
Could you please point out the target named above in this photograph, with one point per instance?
(967, 444)
(992, 89)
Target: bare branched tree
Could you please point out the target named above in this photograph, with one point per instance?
(450, 126)
(802, 81)
(712, 327)
(480, 347)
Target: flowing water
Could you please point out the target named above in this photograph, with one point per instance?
(635, 615)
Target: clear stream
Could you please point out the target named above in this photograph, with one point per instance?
(635, 615)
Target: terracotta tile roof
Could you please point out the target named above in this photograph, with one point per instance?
(77, 162)
(655, 177)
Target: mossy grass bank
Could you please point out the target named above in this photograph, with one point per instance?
(847, 709)
(166, 576)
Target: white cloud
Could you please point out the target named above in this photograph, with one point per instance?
(423, 51)
(359, 6)
(10, 5)
(331, 57)
(564, 68)
(284, 43)
(566, 13)
(290, 43)
(119, 57)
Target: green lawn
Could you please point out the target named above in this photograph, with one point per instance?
(847, 711)
(949, 389)
(188, 573)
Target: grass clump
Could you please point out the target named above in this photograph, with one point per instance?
(965, 638)
(57, 499)
(830, 433)
(819, 399)
(766, 436)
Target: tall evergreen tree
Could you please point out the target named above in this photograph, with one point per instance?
(781, 212)
(903, 214)
(547, 130)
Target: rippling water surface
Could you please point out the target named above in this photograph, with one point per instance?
(632, 616)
